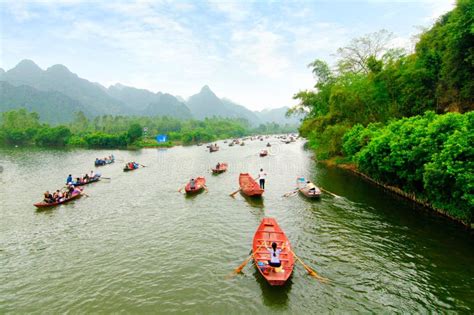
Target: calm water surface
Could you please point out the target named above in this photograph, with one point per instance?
(137, 245)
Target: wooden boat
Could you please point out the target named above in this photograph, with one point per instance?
(268, 145)
(268, 232)
(126, 168)
(213, 148)
(222, 168)
(305, 188)
(248, 186)
(54, 204)
(95, 179)
(231, 144)
(242, 144)
(263, 153)
(199, 184)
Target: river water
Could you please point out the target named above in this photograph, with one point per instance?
(137, 245)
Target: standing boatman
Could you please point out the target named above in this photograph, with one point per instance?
(69, 179)
(261, 176)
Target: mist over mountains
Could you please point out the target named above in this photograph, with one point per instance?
(57, 93)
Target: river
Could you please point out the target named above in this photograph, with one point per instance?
(137, 245)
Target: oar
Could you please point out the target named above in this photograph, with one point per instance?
(141, 165)
(105, 177)
(233, 194)
(242, 265)
(84, 194)
(179, 190)
(326, 191)
(289, 193)
(310, 271)
(205, 188)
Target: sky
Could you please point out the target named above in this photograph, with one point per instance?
(252, 52)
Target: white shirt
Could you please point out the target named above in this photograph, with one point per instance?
(262, 175)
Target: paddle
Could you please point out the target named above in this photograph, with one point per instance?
(310, 271)
(179, 190)
(84, 194)
(242, 265)
(141, 165)
(290, 193)
(205, 188)
(233, 194)
(326, 191)
(105, 177)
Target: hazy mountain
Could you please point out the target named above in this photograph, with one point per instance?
(58, 89)
(58, 78)
(53, 107)
(168, 105)
(277, 115)
(207, 104)
(239, 111)
(148, 103)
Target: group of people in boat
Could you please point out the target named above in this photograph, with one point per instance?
(61, 195)
(105, 160)
(132, 165)
(82, 180)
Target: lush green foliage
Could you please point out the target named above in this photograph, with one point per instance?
(359, 110)
(23, 128)
(372, 83)
(431, 156)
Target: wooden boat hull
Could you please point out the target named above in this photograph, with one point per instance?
(129, 169)
(305, 191)
(199, 184)
(269, 231)
(264, 153)
(221, 169)
(103, 163)
(248, 186)
(54, 204)
(89, 182)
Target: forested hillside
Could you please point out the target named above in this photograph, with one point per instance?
(356, 111)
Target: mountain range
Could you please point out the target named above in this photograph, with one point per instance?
(56, 93)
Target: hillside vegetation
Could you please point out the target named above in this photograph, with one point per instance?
(359, 109)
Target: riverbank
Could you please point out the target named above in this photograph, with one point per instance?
(342, 163)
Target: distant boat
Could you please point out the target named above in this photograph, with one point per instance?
(199, 184)
(263, 153)
(221, 169)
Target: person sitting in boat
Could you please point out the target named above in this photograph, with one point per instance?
(274, 260)
(310, 186)
(192, 183)
(92, 175)
(69, 179)
(78, 181)
(48, 198)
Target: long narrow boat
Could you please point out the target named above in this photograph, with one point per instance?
(248, 186)
(95, 179)
(53, 204)
(199, 184)
(222, 168)
(308, 189)
(103, 162)
(268, 232)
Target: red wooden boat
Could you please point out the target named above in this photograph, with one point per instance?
(248, 186)
(263, 153)
(199, 184)
(222, 168)
(53, 204)
(268, 232)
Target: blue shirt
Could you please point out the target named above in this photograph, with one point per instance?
(69, 179)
